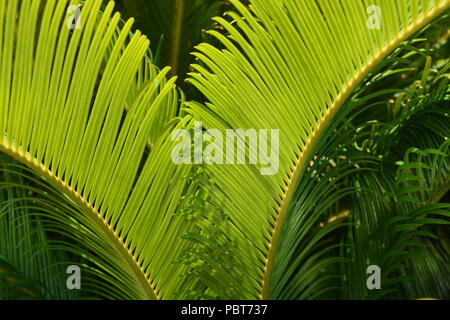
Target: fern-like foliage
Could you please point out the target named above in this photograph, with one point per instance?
(92, 117)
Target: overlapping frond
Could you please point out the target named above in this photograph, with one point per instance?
(290, 65)
(175, 26)
(28, 267)
(86, 110)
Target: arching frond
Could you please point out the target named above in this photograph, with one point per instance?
(290, 65)
(86, 110)
(29, 268)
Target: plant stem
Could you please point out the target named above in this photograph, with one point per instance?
(175, 43)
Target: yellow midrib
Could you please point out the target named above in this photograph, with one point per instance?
(144, 280)
(307, 153)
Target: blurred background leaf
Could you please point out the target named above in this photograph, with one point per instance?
(174, 28)
(31, 267)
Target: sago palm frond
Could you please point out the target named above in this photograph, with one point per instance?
(175, 27)
(397, 227)
(290, 65)
(29, 269)
(63, 98)
(87, 111)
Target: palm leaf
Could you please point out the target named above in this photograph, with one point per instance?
(30, 268)
(175, 27)
(86, 110)
(289, 65)
(63, 98)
